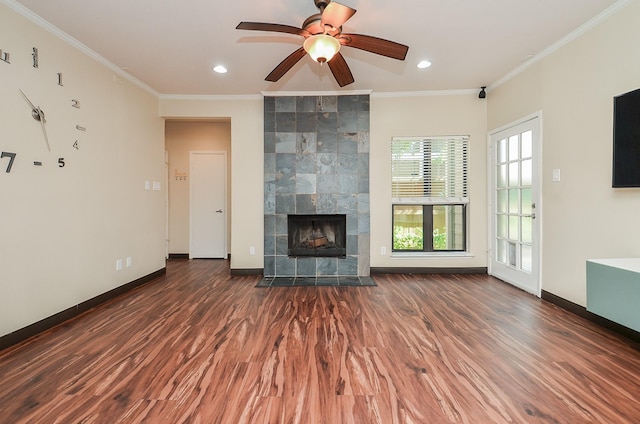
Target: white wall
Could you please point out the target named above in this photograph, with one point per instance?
(62, 229)
(247, 167)
(582, 216)
(181, 137)
(459, 114)
(428, 115)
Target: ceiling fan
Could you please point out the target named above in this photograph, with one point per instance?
(323, 38)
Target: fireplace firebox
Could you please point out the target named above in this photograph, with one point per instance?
(317, 235)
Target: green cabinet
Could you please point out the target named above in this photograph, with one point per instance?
(613, 290)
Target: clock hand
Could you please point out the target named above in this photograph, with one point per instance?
(44, 130)
(38, 115)
(33, 108)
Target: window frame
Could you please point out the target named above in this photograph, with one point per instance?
(427, 228)
(456, 176)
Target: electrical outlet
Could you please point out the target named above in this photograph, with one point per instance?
(119, 265)
(129, 261)
(252, 250)
(383, 250)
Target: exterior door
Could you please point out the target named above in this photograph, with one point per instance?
(208, 196)
(515, 205)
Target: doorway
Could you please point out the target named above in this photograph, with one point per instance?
(208, 205)
(515, 204)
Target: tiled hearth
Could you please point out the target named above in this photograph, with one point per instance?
(348, 281)
(316, 161)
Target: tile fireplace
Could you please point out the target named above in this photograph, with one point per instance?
(316, 162)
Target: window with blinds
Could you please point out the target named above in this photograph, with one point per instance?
(430, 193)
(429, 170)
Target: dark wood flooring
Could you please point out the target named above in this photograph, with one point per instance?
(198, 345)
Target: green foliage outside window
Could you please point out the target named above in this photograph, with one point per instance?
(415, 239)
(439, 239)
(407, 241)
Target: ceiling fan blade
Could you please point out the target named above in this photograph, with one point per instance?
(264, 26)
(375, 45)
(285, 65)
(340, 70)
(335, 14)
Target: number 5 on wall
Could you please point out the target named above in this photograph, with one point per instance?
(11, 157)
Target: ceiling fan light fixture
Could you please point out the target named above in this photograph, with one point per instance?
(321, 47)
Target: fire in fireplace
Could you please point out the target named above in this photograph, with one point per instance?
(317, 235)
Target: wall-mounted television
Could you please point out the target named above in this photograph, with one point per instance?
(626, 140)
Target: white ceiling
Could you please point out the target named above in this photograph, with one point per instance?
(172, 45)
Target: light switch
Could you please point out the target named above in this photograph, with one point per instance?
(147, 185)
(556, 175)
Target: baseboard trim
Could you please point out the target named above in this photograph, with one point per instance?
(186, 256)
(25, 333)
(581, 311)
(178, 256)
(383, 270)
(247, 271)
(427, 270)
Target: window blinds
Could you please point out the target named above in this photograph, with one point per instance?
(429, 170)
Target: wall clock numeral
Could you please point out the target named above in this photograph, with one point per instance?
(11, 157)
(76, 145)
(4, 56)
(80, 128)
(37, 163)
(61, 163)
(35, 57)
(75, 103)
(60, 79)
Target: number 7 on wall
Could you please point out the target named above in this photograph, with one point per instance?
(11, 157)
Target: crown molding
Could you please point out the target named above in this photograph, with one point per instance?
(582, 29)
(427, 93)
(209, 97)
(314, 93)
(46, 25)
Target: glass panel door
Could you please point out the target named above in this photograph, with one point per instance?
(514, 229)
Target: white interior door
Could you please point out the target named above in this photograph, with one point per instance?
(515, 205)
(166, 204)
(208, 212)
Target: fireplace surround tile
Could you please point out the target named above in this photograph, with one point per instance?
(306, 266)
(306, 183)
(285, 142)
(285, 104)
(307, 163)
(306, 122)
(316, 162)
(306, 104)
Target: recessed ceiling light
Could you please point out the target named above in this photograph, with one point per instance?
(220, 69)
(424, 64)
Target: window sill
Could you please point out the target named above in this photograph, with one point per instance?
(430, 255)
